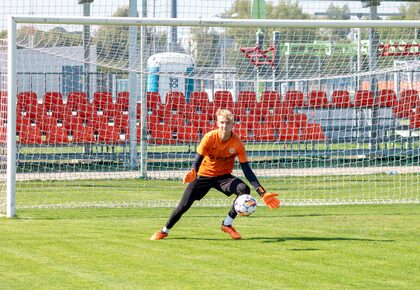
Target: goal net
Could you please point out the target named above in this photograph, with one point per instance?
(108, 112)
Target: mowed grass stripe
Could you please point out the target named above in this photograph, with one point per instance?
(293, 247)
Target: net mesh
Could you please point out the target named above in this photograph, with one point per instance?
(324, 121)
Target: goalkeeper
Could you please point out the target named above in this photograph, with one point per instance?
(212, 168)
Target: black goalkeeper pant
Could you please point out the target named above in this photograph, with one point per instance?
(196, 190)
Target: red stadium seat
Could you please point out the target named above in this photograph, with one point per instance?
(57, 135)
(102, 102)
(415, 119)
(72, 121)
(294, 99)
(263, 132)
(341, 99)
(99, 123)
(297, 120)
(269, 102)
(405, 105)
(52, 99)
(410, 97)
(175, 104)
(109, 135)
(82, 134)
(34, 111)
(76, 99)
(188, 134)
(3, 107)
(243, 132)
(23, 122)
(176, 98)
(363, 99)
(54, 105)
(313, 132)
(199, 102)
(87, 112)
(246, 103)
(3, 134)
(386, 99)
(288, 132)
(27, 98)
(223, 100)
(48, 122)
(123, 100)
(317, 99)
(121, 121)
(27, 104)
(153, 101)
(249, 121)
(31, 135)
(162, 134)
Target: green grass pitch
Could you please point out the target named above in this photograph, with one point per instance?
(331, 247)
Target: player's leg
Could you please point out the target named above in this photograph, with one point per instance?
(232, 185)
(194, 191)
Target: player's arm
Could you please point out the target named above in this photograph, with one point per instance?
(269, 198)
(192, 174)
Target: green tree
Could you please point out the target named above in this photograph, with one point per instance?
(339, 13)
(112, 41)
(285, 9)
(205, 43)
(410, 11)
(3, 34)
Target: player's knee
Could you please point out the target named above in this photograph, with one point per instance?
(243, 189)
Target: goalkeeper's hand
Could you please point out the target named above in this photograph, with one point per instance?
(271, 200)
(189, 176)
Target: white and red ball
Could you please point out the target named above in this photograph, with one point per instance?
(245, 205)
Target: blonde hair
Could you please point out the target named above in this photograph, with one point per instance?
(225, 113)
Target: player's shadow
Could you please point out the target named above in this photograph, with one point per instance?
(314, 239)
(285, 239)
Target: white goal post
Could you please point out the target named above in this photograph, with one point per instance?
(276, 74)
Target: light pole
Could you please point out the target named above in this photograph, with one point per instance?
(86, 45)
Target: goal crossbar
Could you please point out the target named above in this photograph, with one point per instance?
(209, 22)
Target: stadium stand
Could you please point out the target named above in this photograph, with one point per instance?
(103, 103)
(317, 99)
(363, 99)
(76, 99)
(246, 103)
(386, 98)
(123, 102)
(294, 99)
(312, 132)
(222, 99)
(175, 121)
(82, 134)
(175, 105)
(268, 104)
(341, 99)
(406, 103)
(30, 135)
(199, 103)
(57, 135)
(153, 103)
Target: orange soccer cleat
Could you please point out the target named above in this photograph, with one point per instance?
(231, 231)
(159, 235)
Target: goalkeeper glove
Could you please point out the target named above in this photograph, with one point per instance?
(190, 176)
(270, 200)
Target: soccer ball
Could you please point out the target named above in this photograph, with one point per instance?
(245, 205)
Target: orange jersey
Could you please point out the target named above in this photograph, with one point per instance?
(219, 156)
